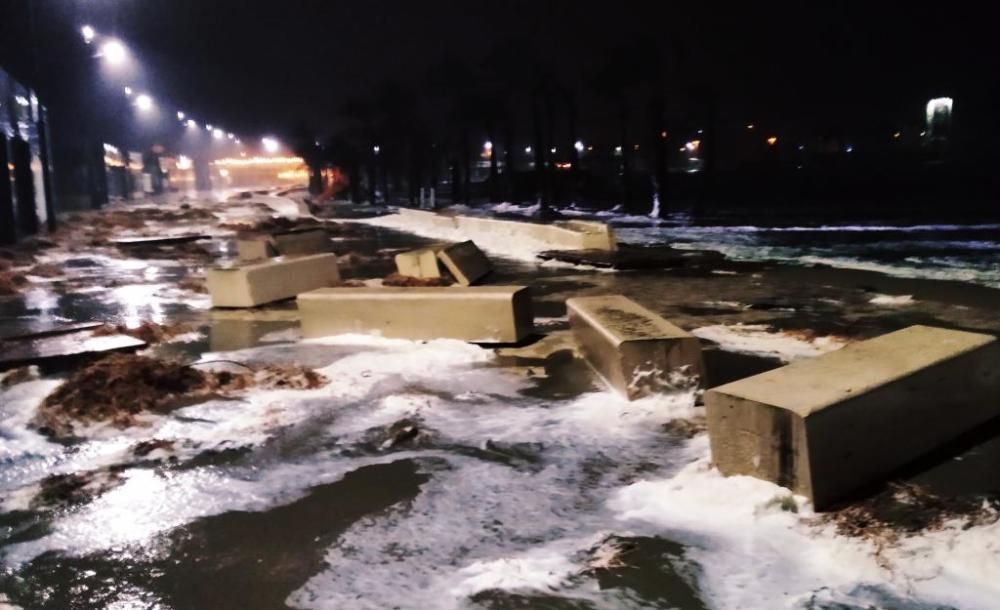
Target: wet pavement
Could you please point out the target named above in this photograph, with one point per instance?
(521, 482)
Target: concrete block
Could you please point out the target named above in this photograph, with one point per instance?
(421, 263)
(479, 314)
(429, 218)
(828, 426)
(271, 280)
(466, 263)
(290, 243)
(635, 351)
(595, 235)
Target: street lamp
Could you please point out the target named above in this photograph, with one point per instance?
(143, 102)
(114, 52)
(128, 91)
(88, 34)
(180, 115)
(218, 134)
(192, 124)
(578, 145)
(270, 144)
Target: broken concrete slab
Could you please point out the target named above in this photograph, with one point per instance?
(16, 330)
(827, 427)
(285, 243)
(634, 350)
(466, 262)
(596, 235)
(422, 263)
(479, 314)
(275, 279)
(57, 349)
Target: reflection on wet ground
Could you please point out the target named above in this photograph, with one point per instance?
(497, 494)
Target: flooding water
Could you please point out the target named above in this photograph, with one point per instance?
(521, 482)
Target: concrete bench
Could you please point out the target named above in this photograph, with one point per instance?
(422, 263)
(466, 262)
(635, 351)
(479, 314)
(289, 243)
(829, 426)
(275, 279)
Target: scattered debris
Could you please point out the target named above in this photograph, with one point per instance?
(147, 331)
(47, 270)
(18, 375)
(194, 284)
(401, 432)
(11, 283)
(65, 490)
(395, 279)
(609, 554)
(144, 448)
(686, 428)
(62, 348)
(120, 387)
(904, 509)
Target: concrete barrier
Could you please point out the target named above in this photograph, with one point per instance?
(479, 314)
(829, 426)
(250, 285)
(466, 263)
(289, 243)
(635, 351)
(564, 235)
(421, 263)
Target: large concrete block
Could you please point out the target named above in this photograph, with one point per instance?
(634, 350)
(428, 218)
(594, 235)
(480, 314)
(289, 243)
(466, 262)
(421, 263)
(565, 235)
(272, 280)
(828, 426)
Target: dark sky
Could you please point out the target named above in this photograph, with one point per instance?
(258, 66)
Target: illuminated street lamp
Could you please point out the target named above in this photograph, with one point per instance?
(231, 136)
(578, 145)
(128, 91)
(180, 115)
(88, 34)
(114, 52)
(218, 134)
(192, 124)
(772, 141)
(208, 126)
(143, 102)
(376, 149)
(271, 145)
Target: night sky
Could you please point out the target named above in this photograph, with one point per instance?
(262, 66)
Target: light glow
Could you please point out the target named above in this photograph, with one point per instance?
(270, 144)
(772, 141)
(114, 52)
(143, 102)
(256, 161)
(578, 145)
(88, 34)
(218, 134)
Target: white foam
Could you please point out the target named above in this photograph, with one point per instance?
(892, 300)
(753, 552)
(762, 340)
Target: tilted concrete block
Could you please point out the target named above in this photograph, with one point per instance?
(418, 263)
(479, 314)
(271, 280)
(829, 426)
(595, 235)
(290, 243)
(634, 350)
(466, 262)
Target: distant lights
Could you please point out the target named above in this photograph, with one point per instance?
(238, 142)
(208, 126)
(88, 34)
(114, 52)
(218, 134)
(21, 100)
(270, 144)
(487, 145)
(231, 136)
(192, 124)
(180, 115)
(376, 149)
(552, 150)
(143, 102)
(692, 146)
(184, 162)
(128, 91)
(527, 150)
(578, 145)
(771, 141)
(897, 135)
(663, 134)
(618, 150)
(750, 126)
(849, 148)
(251, 161)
